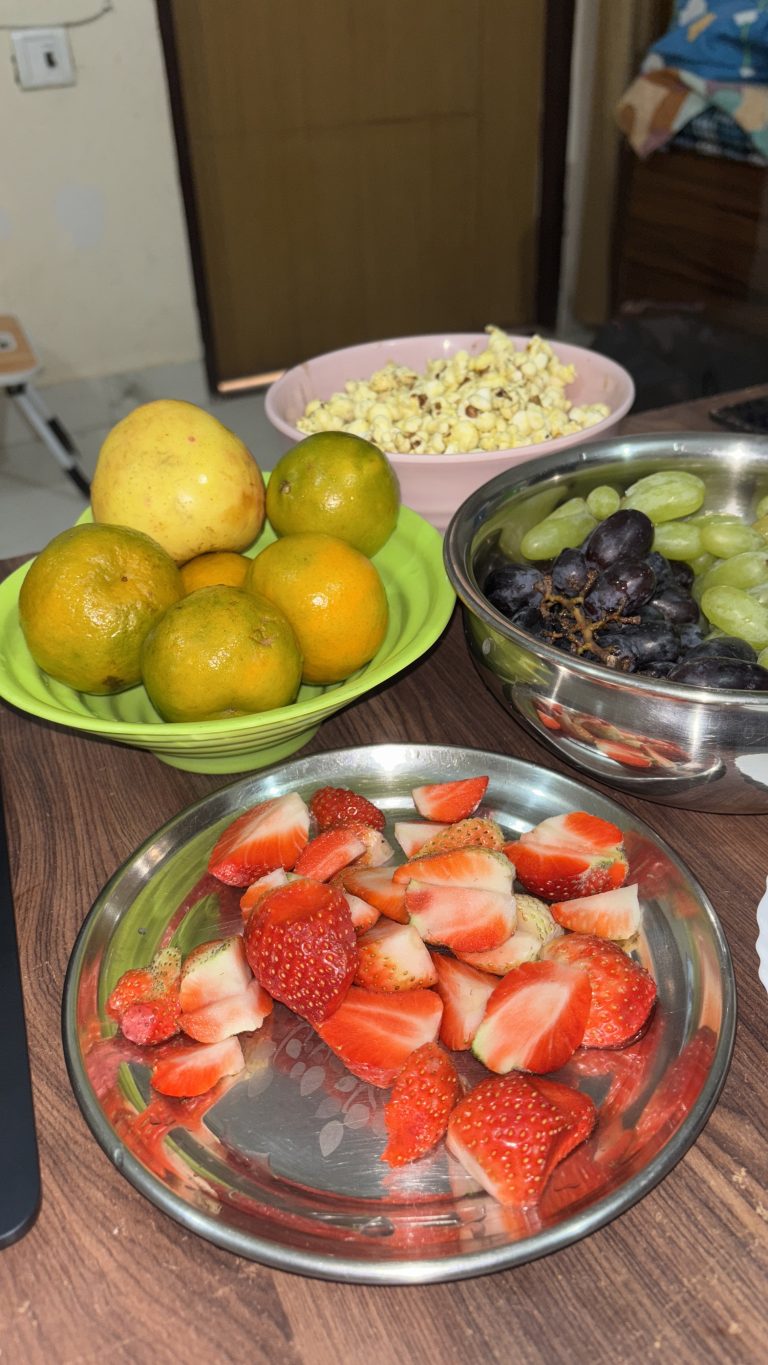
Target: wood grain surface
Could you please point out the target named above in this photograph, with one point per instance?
(103, 1275)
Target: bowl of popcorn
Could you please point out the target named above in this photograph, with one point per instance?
(452, 411)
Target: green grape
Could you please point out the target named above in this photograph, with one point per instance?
(741, 571)
(701, 563)
(725, 539)
(762, 507)
(569, 509)
(761, 526)
(678, 540)
(556, 533)
(666, 496)
(760, 593)
(735, 612)
(603, 501)
(716, 519)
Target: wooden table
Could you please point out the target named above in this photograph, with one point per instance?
(104, 1276)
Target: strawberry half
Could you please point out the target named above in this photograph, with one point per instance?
(417, 1112)
(259, 888)
(450, 801)
(145, 1001)
(464, 992)
(508, 1136)
(151, 1021)
(269, 835)
(609, 914)
(622, 992)
(374, 1034)
(376, 886)
(393, 958)
(241, 1013)
(212, 971)
(302, 947)
(461, 917)
(476, 832)
(332, 806)
(328, 853)
(520, 947)
(568, 856)
(412, 835)
(535, 1019)
(190, 1071)
(472, 867)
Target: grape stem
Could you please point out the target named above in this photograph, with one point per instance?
(578, 630)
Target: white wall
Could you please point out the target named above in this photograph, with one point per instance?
(93, 248)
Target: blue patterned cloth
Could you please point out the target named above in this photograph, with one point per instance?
(719, 40)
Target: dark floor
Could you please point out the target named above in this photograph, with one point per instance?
(673, 356)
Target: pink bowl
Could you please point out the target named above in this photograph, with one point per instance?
(436, 485)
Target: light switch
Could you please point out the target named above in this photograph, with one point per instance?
(43, 58)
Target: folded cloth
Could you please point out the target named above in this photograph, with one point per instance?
(659, 103)
(719, 40)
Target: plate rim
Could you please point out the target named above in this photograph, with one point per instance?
(400, 1271)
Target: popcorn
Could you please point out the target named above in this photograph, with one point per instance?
(499, 399)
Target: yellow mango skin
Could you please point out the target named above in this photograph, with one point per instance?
(172, 470)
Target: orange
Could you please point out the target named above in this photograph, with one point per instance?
(89, 599)
(220, 567)
(337, 484)
(333, 597)
(220, 652)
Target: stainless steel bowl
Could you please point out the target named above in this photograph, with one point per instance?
(682, 746)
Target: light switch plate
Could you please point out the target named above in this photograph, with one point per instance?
(43, 58)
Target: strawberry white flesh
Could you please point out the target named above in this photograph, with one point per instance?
(460, 917)
(611, 914)
(535, 1019)
(270, 835)
(364, 916)
(241, 1013)
(392, 957)
(411, 835)
(212, 971)
(521, 947)
(482, 868)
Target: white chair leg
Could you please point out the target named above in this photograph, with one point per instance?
(51, 432)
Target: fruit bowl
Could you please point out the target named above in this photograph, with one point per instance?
(675, 744)
(420, 604)
(436, 485)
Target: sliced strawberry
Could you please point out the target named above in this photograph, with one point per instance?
(623, 992)
(302, 947)
(578, 1108)
(475, 867)
(259, 888)
(476, 832)
(328, 853)
(212, 971)
(141, 985)
(450, 801)
(518, 948)
(417, 1112)
(464, 992)
(151, 1021)
(393, 958)
(332, 806)
(460, 917)
(536, 918)
(535, 1018)
(241, 1013)
(364, 916)
(374, 1034)
(508, 1136)
(269, 835)
(609, 914)
(413, 834)
(191, 1071)
(378, 850)
(376, 885)
(569, 855)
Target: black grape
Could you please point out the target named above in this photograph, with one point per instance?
(512, 587)
(634, 577)
(655, 641)
(723, 647)
(709, 671)
(569, 573)
(625, 533)
(682, 572)
(678, 607)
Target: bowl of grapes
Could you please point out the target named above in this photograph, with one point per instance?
(615, 601)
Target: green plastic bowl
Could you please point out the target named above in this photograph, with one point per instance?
(420, 605)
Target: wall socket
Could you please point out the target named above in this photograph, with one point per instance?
(43, 58)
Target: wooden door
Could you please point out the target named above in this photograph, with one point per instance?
(355, 169)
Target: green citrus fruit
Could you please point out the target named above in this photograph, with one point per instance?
(220, 651)
(89, 599)
(336, 484)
